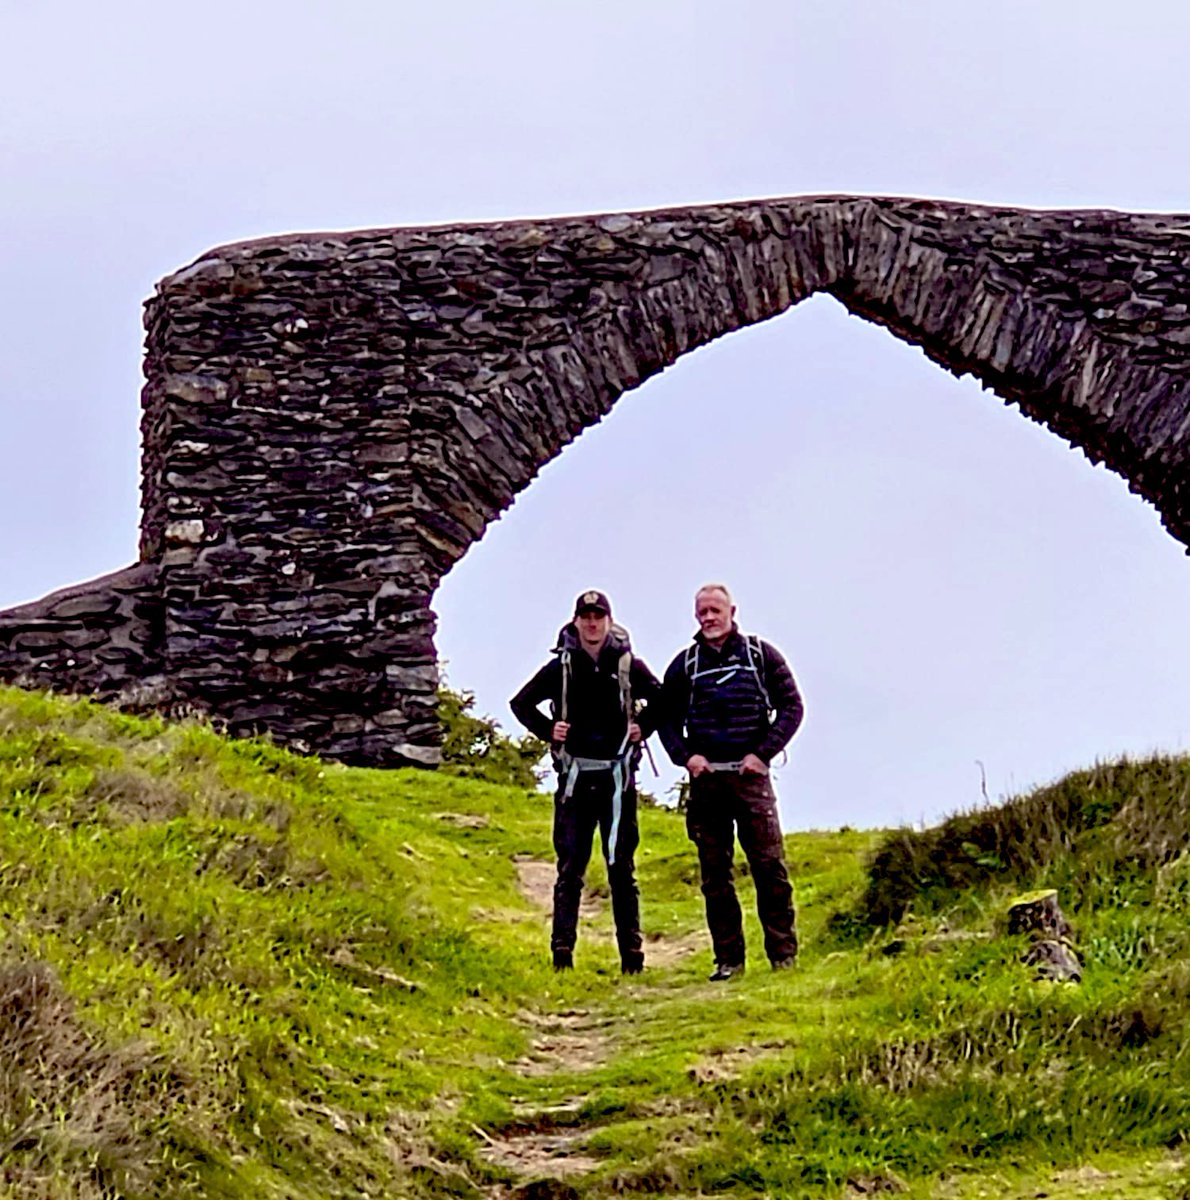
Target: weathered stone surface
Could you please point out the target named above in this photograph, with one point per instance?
(331, 420)
(1040, 914)
(1054, 960)
(100, 637)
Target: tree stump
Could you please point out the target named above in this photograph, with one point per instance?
(1038, 913)
(1052, 952)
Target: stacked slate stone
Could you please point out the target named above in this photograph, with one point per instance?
(100, 638)
(330, 421)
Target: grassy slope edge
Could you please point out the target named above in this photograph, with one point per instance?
(228, 971)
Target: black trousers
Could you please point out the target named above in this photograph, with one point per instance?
(721, 805)
(575, 821)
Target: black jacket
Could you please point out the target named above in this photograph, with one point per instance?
(594, 710)
(723, 715)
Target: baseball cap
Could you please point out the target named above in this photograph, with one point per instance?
(592, 599)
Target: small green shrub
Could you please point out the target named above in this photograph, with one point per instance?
(475, 747)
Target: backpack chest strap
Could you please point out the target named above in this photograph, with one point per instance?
(752, 661)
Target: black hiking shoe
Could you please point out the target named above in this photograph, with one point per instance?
(725, 971)
(783, 964)
(563, 960)
(632, 963)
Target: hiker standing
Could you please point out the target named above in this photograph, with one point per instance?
(594, 686)
(730, 706)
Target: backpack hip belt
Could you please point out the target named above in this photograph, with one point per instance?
(571, 766)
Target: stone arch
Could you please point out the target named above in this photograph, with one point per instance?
(331, 420)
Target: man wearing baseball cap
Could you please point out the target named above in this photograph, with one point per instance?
(603, 704)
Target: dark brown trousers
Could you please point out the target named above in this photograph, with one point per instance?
(723, 804)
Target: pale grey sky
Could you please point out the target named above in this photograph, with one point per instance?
(951, 583)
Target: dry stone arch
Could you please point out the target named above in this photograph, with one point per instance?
(330, 420)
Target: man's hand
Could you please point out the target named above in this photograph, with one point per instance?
(561, 731)
(696, 764)
(633, 731)
(751, 765)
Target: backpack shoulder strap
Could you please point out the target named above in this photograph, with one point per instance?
(624, 677)
(564, 649)
(755, 653)
(690, 662)
(564, 662)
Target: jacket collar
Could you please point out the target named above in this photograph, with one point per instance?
(730, 642)
(613, 646)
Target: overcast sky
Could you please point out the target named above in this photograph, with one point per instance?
(953, 585)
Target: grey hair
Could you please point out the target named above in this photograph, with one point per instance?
(715, 587)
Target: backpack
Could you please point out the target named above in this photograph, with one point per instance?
(755, 654)
(565, 649)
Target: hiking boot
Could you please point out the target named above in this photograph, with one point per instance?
(783, 964)
(563, 960)
(725, 971)
(632, 963)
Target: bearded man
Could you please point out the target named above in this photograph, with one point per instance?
(730, 705)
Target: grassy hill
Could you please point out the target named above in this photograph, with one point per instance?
(226, 971)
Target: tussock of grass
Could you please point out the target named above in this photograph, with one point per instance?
(76, 1117)
(1112, 823)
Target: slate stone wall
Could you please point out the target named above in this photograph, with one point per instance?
(330, 420)
(101, 638)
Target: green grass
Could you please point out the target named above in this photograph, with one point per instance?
(228, 971)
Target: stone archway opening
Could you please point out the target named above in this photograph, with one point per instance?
(951, 583)
(331, 420)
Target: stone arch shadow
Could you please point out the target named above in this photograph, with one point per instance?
(331, 420)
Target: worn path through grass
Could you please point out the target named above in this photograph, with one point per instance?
(626, 1094)
(941, 1070)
